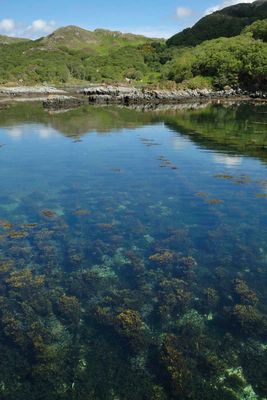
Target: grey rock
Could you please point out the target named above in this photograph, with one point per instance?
(62, 102)
(128, 95)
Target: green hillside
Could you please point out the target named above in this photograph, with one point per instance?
(31, 63)
(97, 41)
(9, 40)
(258, 30)
(240, 61)
(73, 55)
(224, 23)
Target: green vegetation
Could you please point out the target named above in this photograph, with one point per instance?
(9, 40)
(258, 30)
(99, 41)
(237, 62)
(72, 55)
(114, 57)
(224, 23)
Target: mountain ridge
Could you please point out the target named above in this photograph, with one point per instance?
(95, 41)
(228, 22)
(72, 36)
(4, 39)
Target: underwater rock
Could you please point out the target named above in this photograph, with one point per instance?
(17, 234)
(6, 224)
(191, 323)
(70, 308)
(249, 320)
(179, 374)
(162, 258)
(254, 363)
(24, 279)
(215, 201)
(29, 226)
(236, 386)
(174, 298)
(212, 297)
(185, 267)
(81, 212)
(149, 239)
(48, 213)
(245, 295)
(129, 324)
(106, 226)
(56, 103)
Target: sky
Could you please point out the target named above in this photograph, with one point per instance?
(153, 18)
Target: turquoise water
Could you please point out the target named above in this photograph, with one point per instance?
(133, 253)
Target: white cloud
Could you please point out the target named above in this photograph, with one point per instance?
(35, 29)
(7, 25)
(41, 26)
(184, 12)
(226, 3)
(150, 31)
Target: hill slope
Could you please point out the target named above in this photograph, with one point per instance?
(97, 41)
(227, 22)
(72, 55)
(9, 40)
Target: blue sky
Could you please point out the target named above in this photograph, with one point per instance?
(157, 18)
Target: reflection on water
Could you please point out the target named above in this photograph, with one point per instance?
(133, 253)
(228, 161)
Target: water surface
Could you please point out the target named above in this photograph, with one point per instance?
(133, 253)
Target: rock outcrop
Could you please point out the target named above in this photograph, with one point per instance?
(30, 90)
(129, 95)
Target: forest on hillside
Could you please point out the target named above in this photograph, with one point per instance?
(238, 61)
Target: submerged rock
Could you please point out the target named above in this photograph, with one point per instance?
(56, 103)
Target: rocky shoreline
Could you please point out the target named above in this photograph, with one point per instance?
(129, 95)
(73, 97)
(17, 91)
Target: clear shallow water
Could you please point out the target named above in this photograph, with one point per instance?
(133, 253)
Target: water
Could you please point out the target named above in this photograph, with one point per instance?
(133, 253)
